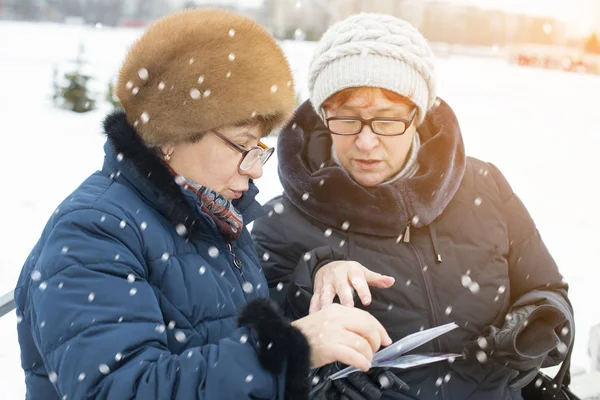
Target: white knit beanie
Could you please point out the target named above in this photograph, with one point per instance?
(374, 50)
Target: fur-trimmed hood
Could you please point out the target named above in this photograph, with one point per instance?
(324, 190)
(132, 160)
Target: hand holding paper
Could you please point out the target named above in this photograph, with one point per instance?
(393, 355)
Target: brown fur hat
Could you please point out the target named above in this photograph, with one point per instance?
(197, 70)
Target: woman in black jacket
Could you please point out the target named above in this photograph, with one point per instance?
(378, 192)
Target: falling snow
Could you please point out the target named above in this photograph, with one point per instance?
(104, 369)
(195, 93)
(180, 336)
(181, 230)
(213, 252)
(143, 74)
(247, 287)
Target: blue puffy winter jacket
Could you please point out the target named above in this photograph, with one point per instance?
(132, 293)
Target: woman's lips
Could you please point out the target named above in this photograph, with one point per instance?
(237, 193)
(367, 165)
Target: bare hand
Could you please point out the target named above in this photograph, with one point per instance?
(336, 333)
(339, 278)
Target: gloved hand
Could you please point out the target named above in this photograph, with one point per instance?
(523, 342)
(358, 385)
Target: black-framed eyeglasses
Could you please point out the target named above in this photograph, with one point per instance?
(385, 126)
(250, 156)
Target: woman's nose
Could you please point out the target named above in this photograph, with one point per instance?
(254, 172)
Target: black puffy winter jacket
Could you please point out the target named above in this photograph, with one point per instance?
(460, 244)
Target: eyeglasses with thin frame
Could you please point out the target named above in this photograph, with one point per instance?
(385, 126)
(250, 156)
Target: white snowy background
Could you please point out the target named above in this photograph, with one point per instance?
(541, 128)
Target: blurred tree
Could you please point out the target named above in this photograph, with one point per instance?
(27, 9)
(70, 8)
(106, 12)
(74, 93)
(189, 4)
(110, 94)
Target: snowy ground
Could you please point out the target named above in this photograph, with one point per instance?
(540, 127)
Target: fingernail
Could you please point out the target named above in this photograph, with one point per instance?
(387, 341)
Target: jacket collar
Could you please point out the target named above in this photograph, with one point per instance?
(128, 159)
(305, 167)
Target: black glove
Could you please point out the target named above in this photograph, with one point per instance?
(522, 343)
(358, 385)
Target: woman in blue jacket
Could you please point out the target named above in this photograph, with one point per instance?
(145, 283)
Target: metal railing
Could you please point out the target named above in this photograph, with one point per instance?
(7, 303)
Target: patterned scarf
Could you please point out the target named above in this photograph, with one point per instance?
(228, 219)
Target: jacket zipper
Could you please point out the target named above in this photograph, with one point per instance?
(236, 261)
(436, 341)
(427, 290)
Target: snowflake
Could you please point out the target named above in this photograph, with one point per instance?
(36, 275)
(213, 252)
(278, 208)
(143, 74)
(247, 287)
(180, 336)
